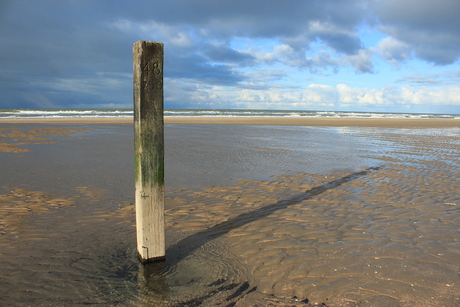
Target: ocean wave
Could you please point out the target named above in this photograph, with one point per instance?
(126, 113)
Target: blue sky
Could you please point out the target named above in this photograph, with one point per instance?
(353, 55)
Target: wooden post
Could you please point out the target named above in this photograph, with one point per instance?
(149, 149)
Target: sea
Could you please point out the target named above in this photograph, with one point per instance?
(126, 113)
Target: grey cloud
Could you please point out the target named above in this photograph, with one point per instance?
(44, 39)
(195, 66)
(44, 43)
(238, 16)
(224, 54)
(445, 79)
(430, 28)
(419, 80)
(346, 44)
(266, 19)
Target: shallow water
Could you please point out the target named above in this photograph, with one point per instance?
(254, 215)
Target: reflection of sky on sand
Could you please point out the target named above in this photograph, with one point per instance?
(408, 144)
(225, 153)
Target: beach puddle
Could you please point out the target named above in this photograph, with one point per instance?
(66, 252)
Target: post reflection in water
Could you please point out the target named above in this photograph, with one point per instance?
(152, 281)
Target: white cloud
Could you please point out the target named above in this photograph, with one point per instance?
(319, 93)
(394, 51)
(290, 56)
(362, 61)
(182, 39)
(121, 25)
(449, 95)
(344, 96)
(157, 31)
(264, 57)
(361, 96)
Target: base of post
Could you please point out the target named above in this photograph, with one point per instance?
(151, 260)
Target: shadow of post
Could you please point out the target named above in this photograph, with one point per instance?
(186, 246)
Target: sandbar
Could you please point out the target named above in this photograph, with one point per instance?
(253, 120)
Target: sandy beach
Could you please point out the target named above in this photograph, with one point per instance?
(259, 212)
(270, 121)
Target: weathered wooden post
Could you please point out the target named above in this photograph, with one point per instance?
(149, 149)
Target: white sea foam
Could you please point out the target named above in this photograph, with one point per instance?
(120, 113)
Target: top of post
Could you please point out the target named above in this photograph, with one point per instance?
(141, 45)
(148, 42)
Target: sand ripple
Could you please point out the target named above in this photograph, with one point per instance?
(388, 237)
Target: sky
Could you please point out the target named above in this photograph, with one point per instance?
(332, 55)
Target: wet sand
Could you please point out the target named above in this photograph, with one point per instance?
(255, 216)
